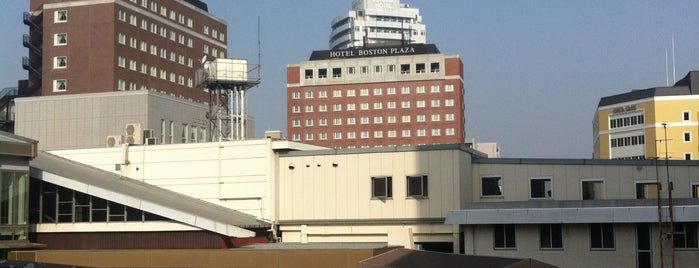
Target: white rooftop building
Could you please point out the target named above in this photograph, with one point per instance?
(375, 23)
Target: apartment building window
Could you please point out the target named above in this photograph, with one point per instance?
(378, 120)
(60, 16)
(504, 236)
(121, 61)
(60, 39)
(295, 109)
(417, 186)
(646, 190)
(405, 68)
(601, 236)
(351, 107)
(364, 134)
(144, 24)
(685, 235)
(296, 137)
(420, 118)
(391, 133)
(295, 95)
(144, 68)
(323, 136)
(364, 120)
(132, 65)
(540, 188)
(406, 133)
(60, 85)
(364, 106)
(132, 20)
(550, 236)
(190, 43)
(364, 92)
(687, 137)
(391, 119)
(491, 186)
(322, 73)
(206, 29)
(449, 88)
(308, 94)
(153, 71)
(686, 116)
(351, 135)
(144, 46)
(60, 62)
(309, 136)
(436, 118)
(381, 187)
(378, 134)
(206, 49)
(391, 105)
(434, 67)
(189, 22)
(592, 189)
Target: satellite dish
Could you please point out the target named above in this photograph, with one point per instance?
(203, 59)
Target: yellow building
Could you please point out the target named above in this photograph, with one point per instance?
(641, 124)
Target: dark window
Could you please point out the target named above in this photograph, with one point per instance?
(309, 73)
(405, 68)
(592, 190)
(337, 72)
(541, 188)
(434, 67)
(420, 68)
(550, 236)
(686, 235)
(687, 136)
(504, 236)
(601, 236)
(417, 186)
(322, 73)
(688, 156)
(646, 190)
(685, 116)
(381, 187)
(695, 191)
(491, 186)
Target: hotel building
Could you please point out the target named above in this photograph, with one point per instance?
(650, 123)
(377, 23)
(376, 97)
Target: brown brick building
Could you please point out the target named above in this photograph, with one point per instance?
(376, 97)
(119, 45)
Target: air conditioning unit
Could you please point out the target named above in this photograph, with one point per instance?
(113, 141)
(134, 134)
(151, 141)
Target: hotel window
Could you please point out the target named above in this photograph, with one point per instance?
(391, 105)
(189, 22)
(60, 39)
(308, 73)
(180, 39)
(421, 132)
(391, 119)
(381, 187)
(351, 93)
(405, 90)
(295, 109)
(132, 86)
(296, 137)
(323, 122)
(601, 236)
(378, 105)
(391, 91)
(685, 235)
(351, 121)
(491, 186)
(550, 236)
(351, 107)
(540, 188)
(377, 68)
(222, 37)
(434, 67)
(121, 85)
(309, 122)
(153, 71)
(206, 29)
(420, 89)
(405, 68)
(121, 15)
(449, 102)
(391, 68)
(405, 133)
(60, 16)
(337, 107)
(405, 119)
(153, 5)
(337, 72)
(687, 136)
(144, 24)
(132, 65)
(434, 89)
(172, 77)
(309, 136)
(420, 118)
(364, 106)
(337, 135)
(121, 38)
(163, 53)
(296, 95)
(350, 70)
(308, 94)
(436, 132)
(295, 123)
(351, 135)
(434, 103)
(180, 59)
(364, 92)
(337, 93)
(189, 62)
(144, 46)
(449, 88)
(391, 133)
(323, 108)
(60, 62)
(364, 120)
(322, 94)
(163, 74)
(435, 118)
(364, 134)
(132, 20)
(153, 28)
(121, 61)
(504, 236)
(153, 50)
(646, 190)
(417, 186)
(60, 85)
(144, 68)
(173, 36)
(322, 73)
(450, 132)
(420, 68)
(309, 108)
(323, 136)
(449, 117)
(190, 43)
(686, 116)
(420, 104)
(364, 69)
(206, 49)
(378, 119)
(378, 92)
(592, 190)
(405, 104)
(173, 16)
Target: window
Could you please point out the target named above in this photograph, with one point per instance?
(323, 122)
(406, 133)
(435, 118)
(449, 117)
(60, 62)
(550, 236)
(121, 85)
(60, 39)
(121, 61)
(405, 119)
(351, 121)
(685, 116)
(391, 133)
(449, 102)
(436, 132)
(295, 123)
(420, 104)
(450, 132)
(391, 68)
(421, 132)
(296, 109)
(391, 119)
(391, 91)
(434, 67)
(323, 108)
(420, 118)
(363, 69)
(350, 70)
(449, 88)
(378, 134)
(309, 136)
(378, 91)
(364, 92)
(351, 135)
(364, 134)
(540, 188)
(593, 190)
(309, 108)
(132, 65)
(322, 94)
(405, 104)
(337, 107)
(377, 68)
(378, 119)
(601, 236)
(686, 235)
(132, 20)
(687, 136)
(60, 16)
(405, 68)
(695, 190)
(434, 103)
(420, 89)
(322, 73)
(417, 186)
(59, 85)
(434, 89)
(337, 93)
(364, 106)
(491, 186)
(420, 68)
(337, 72)
(351, 93)
(504, 236)
(646, 190)
(381, 187)
(121, 15)
(687, 156)
(351, 107)
(378, 105)
(337, 135)
(405, 90)
(296, 137)
(364, 120)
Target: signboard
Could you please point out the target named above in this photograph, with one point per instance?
(375, 4)
(375, 52)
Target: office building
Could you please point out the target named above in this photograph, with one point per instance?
(373, 23)
(650, 123)
(376, 97)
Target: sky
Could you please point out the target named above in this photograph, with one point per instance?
(534, 71)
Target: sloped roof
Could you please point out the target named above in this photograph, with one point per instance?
(143, 196)
(407, 258)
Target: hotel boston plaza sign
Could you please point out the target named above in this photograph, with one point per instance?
(375, 52)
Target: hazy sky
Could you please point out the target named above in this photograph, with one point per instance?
(534, 70)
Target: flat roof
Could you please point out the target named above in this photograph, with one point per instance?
(13, 145)
(435, 147)
(689, 85)
(143, 196)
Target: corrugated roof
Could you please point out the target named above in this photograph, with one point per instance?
(143, 196)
